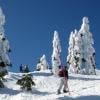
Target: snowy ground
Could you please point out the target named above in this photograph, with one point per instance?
(82, 87)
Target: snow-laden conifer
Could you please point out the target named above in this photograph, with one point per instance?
(56, 62)
(42, 64)
(4, 49)
(81, 53)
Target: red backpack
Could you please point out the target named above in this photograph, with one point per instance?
(63, 73)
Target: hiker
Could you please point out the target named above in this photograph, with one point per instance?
(63, 75)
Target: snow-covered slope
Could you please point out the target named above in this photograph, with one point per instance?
(82, 87)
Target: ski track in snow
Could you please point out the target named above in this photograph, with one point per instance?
(82, 87)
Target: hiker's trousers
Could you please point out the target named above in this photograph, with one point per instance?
(63, 83)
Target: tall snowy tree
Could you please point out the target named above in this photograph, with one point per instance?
(72, 56)
(81, 53)
(56, 62)
(42, 64)
(4, 49)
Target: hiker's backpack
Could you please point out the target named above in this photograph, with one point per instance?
(63, 73)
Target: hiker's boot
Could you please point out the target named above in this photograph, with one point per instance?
(65, 91)
(58, 92)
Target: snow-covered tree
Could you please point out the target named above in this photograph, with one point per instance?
(26, 82)
(4, 49)
(56, 62)
(42, 64)
(81, 53)
(73, 56)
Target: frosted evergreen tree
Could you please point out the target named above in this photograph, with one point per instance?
(56, 62)
(81, 53)
(88, 51)
(26, 82)
(4, 50)
(42, 64)
(72, 56)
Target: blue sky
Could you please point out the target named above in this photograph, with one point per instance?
(30, 25)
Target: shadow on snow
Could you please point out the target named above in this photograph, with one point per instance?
(93, 97)
(36, 92)
(9, 91)
(42, 74)
(85, 78)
